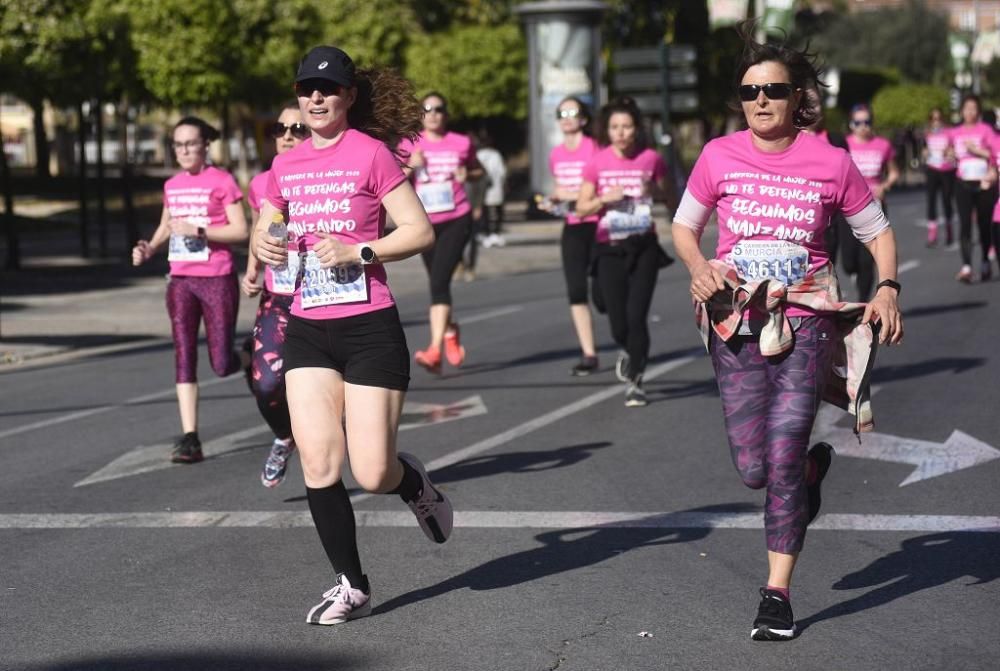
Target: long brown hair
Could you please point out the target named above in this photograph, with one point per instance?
(386, 107)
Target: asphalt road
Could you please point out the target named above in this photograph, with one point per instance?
(581, 524)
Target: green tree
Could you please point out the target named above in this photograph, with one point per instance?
(481, 70)
(907, 105)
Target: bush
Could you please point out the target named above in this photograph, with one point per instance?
(907, 105)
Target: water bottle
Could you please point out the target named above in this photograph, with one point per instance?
(278, 229)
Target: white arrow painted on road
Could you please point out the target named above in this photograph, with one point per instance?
(145, 459)
(931, 459)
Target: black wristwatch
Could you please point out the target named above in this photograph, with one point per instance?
(892, 284)
(367, 255)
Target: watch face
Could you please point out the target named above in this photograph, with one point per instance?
(367, 254)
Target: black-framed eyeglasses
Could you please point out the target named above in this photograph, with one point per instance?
(569, 113)
(326, 88)
(190, 145)
(772, 91)
(859, 123)
(440, 109)
(299, 130)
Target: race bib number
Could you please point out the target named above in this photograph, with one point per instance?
(189, 247)
(436, 196)
(935, 157)
(770, 260)
(331, 286)
(283, 278)
(972, 169)
(627, 218)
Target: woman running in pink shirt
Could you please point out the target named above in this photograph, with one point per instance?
(347, 366)
(774, 190)
(202, 216)
(939, 163)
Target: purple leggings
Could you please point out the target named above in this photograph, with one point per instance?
(770, 404)
(268, 373)
(216, 299)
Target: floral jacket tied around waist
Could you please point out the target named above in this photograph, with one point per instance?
(848, 384)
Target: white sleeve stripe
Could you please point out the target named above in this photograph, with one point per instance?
(691, 213)
(869, 222)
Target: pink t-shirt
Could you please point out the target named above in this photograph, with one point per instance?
(937, 142)
(787, 196)
(201, 199)
(996, 157)
(972, 168)
(442, 196)
(567, 169)
(635, 176)
(871, 157)
(255, 194)
(336, 190)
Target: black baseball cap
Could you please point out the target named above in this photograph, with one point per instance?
(328, 63)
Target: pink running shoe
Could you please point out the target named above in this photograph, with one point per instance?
(453, 349)
(432, 508)
(340, 604)
(932, 233)
(429, 358)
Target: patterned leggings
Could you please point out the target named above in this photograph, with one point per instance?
(770, 404)
(267, 367)
(217, 300)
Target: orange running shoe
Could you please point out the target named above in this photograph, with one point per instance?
(453, 349)
(429, 358)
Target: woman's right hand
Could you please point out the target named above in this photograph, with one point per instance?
(250, 284)
(706, 281)
(270, 250)
(141, 252)
(612, 194)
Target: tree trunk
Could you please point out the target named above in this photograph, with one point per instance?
(131, 232)
(226, 159)
(102, 207)
(13, 261)
(243, 169)
(82, 173)
(41, 139)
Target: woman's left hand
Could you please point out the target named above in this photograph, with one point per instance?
(884, 309)
(332, 252)
(461, 174)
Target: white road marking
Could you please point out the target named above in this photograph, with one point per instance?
(475, 519)
(907, 266)
(929, 459)
(551, 417)
(146, 459)
(90, 412)
(490, 314)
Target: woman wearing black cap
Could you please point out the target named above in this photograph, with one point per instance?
(346, 359)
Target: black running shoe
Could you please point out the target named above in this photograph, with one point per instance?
(187, 450)
(774, 618)
(822, 455)
(622, 367)
(586, 366)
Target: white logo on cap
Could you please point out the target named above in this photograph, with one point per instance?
(322, 66)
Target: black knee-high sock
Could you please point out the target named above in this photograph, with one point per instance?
(333, 516)
(411, 486)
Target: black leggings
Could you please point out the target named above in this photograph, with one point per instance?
(577, 244)
(627, 283)
(942, 181)
(493, 218)
(970, 197)
(442, 259)
(856, 259)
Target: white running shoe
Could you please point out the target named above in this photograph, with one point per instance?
(431, 507)
(340, 603)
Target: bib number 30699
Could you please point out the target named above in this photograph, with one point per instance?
(332, 286)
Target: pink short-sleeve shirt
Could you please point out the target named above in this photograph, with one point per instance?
(443, 197)
(566, 167)
(201, 199)
(871, 157)
(635, 175)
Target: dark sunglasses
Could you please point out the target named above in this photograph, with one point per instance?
(299, 130)
(773, 91)
(567, 113)
(326, 88)
(440, 109)
(858, 123)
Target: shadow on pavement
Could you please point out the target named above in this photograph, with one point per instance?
(919, 564)
(517, 462)
(929, 367)
(199, 661)
(79, 340)
(932, 310)
(562, 550)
